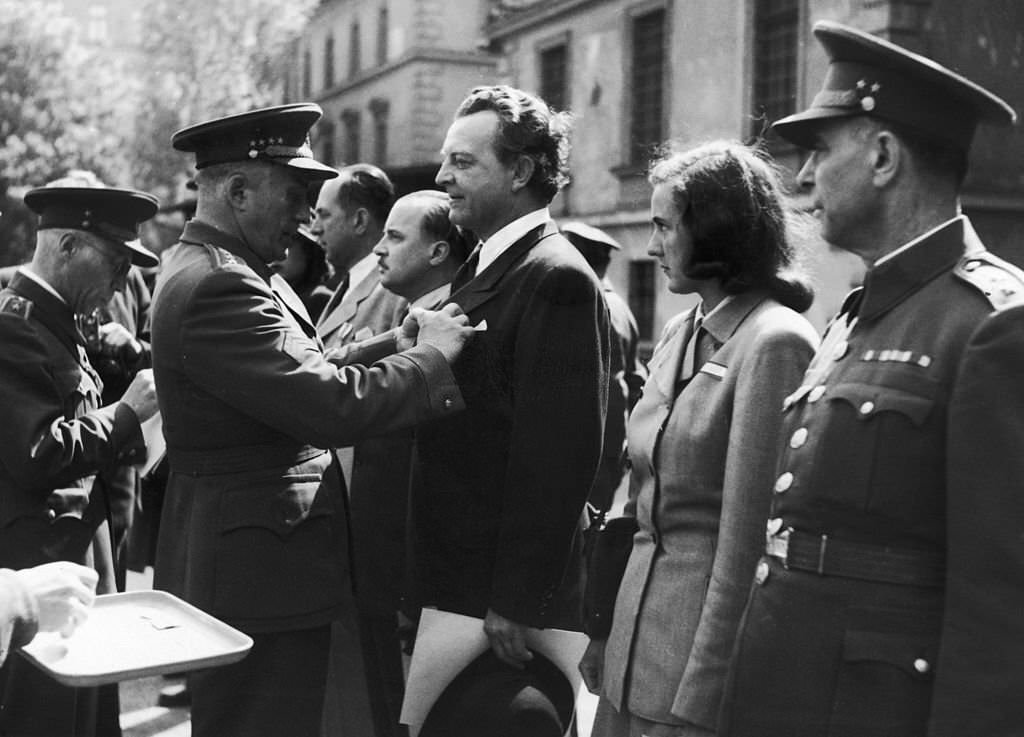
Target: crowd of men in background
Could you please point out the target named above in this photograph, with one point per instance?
(423, 420)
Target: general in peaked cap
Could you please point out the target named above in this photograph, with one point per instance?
(278, 135)
(870, 76)
(114, 214)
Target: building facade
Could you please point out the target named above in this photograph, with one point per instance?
(389, 74)
(636, 73)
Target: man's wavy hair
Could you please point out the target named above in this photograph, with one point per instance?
(731, 200)
(527, 127)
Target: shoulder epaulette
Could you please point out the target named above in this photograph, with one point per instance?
(222, 256)
(1001, 282)
(12, 304)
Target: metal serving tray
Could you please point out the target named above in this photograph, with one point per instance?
(137, 634)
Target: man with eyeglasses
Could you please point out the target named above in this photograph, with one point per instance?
(55, 437)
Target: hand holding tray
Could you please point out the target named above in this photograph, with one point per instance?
(137, 634)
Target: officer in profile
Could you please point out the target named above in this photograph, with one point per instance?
(864, 617)
(254, 526)
(55, 437)
(627, 372)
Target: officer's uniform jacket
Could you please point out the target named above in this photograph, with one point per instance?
(54, 437)
(366, 309)
(700, 451)
(498, 491)
(627, 376)
(254, 528)
(871, 456)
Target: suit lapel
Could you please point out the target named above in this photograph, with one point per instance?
(670, 358)
(349, 304)
(484, 285)
(289, 299)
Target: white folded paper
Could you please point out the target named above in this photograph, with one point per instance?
(156, 445)
(446, 643)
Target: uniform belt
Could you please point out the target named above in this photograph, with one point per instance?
(827, 556)
(240, 459)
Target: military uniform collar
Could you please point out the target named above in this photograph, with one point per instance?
(49, 309)
(895, 278)
(199, 233)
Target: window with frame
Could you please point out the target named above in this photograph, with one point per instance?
(554, 75)
(327, 142)
(354, 51)
(329, 61)
(307, 74)
(380, 110)
(641, 296)
(776, 39)
(352, 121)
(382, 36)
(647, 95)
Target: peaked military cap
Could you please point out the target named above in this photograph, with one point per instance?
(112, 213)
(868, 75)
(589, 233)
(279, 135)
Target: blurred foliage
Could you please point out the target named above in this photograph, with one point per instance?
(61, 106)
(206, 59)
(66, 105)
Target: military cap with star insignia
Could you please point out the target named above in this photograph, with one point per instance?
(868, 75)
(278, 135)
(112, 213)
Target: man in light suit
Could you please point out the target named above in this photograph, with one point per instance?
(348, 221)
(498, 493)
(417, 257)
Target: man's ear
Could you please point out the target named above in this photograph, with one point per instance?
(439, 251)
(522, 172)
(68, 244)
(238, 191)
(888, 154)
(361, 219)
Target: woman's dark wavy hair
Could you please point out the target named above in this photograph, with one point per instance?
(732, 203)
(528, 127)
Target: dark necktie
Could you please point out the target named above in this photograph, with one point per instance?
(335, 299)
(467, 271)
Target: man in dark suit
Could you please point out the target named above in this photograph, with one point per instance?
(870, 611)
(56, 437)
(499, 492)
(348, 222)
(254, 526)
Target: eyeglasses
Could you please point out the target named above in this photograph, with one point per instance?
(120, 264)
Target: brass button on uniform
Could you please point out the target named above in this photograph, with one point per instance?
(798, 438)
(867, 407)
(783, 483)
(840, 350)
(922, 666)
(774, 525)
(816, 393)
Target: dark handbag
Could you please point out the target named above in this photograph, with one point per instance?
(606, 562)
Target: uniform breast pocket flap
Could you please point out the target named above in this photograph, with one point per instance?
(280, 510)
(884, 682)
(870, 401)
